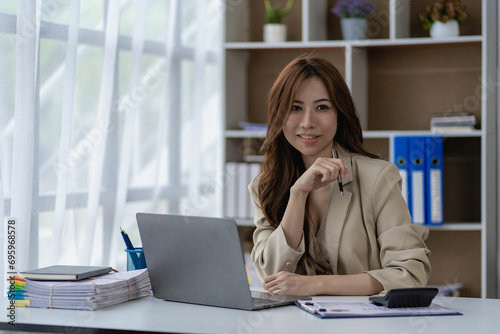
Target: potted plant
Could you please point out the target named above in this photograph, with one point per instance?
(353, 16)
(274, 30)
(442, 18)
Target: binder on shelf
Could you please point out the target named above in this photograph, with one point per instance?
(231, 189)
(434, 180)
(243, 195)
(416, 154)
(237, 197)
(400, 145)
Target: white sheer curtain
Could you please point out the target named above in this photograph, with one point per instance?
(107, 108)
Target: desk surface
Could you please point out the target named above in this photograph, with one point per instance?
(150, 314)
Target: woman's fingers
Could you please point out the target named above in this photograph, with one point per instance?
(286, 283)
(342, 169)
(323, 172)
(328, 169)
(271, 283)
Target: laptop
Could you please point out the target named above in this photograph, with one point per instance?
(199, 260)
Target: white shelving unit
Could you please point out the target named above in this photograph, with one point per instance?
(345, 44)
(251, 65)
(445, 227)
(368, 134)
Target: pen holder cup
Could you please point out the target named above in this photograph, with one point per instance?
(135, 259)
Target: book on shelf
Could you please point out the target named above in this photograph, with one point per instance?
(231, 189)
(243, 196)
(453, 120)
(90, 294)
(451, 114)
(253, 126)
(253, 158)
(439, 129)
(65, 272)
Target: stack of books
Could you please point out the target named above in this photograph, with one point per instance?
(88, 294)
(454, 121)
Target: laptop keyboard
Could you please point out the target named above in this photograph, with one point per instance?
(262, 301)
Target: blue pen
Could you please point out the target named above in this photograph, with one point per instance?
(128, 243)
(133, 256)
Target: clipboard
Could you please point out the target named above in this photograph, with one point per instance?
(364, 309)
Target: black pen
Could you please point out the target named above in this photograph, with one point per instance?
(336, 156)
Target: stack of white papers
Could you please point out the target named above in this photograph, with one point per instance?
(89, 294)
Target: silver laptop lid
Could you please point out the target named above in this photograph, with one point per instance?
(195, 260)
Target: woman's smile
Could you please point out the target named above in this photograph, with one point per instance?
(309, 139)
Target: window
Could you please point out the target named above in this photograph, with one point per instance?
(107, 108)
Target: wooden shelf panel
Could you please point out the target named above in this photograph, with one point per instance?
(367, 134)
(245, 134)
(312, 20)
(367, 43)
(472, 226)
(389, 134)
(456, 227)
(436, 79)
(455, 258)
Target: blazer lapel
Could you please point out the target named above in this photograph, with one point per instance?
(337, 211)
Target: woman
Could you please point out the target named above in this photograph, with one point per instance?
(309, 239)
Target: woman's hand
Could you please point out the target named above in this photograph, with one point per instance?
(333, 285)
(321, 173)
(285, 283)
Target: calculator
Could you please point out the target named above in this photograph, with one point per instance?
(408, 297)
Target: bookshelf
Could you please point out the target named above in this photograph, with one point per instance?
(398, 77)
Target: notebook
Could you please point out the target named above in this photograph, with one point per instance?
(65, 272)
(199, 260)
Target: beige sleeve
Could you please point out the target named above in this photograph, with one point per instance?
(404, 255)
(271, 253)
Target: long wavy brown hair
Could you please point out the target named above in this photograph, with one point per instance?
(283, 164)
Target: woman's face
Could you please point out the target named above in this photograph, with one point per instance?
(312, 122)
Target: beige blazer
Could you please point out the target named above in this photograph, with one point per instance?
(369, 230)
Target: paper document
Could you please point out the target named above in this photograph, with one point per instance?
(89, 294)
(358, 309)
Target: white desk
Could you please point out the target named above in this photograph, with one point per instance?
(149, 314)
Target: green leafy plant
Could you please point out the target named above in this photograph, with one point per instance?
(274, 14)
(444, 11)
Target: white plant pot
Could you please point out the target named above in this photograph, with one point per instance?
(353, 28)
(445, 30)
(274, 32)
